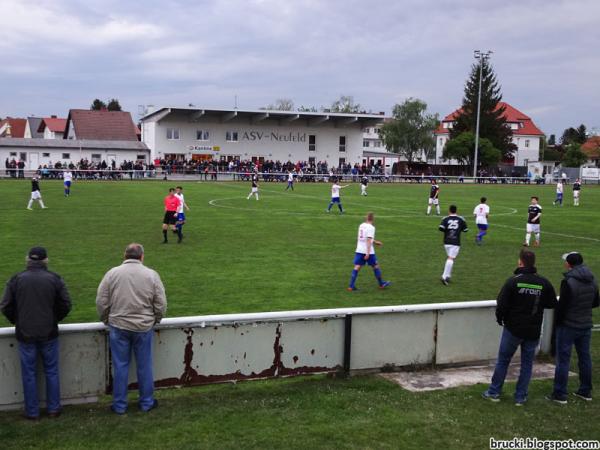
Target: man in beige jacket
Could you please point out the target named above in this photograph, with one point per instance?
(130, 300)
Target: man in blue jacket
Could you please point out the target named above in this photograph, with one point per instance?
(578, 295)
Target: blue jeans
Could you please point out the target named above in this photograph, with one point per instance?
(566, 337)
(122, 342)
(28, 353)
(508, 346)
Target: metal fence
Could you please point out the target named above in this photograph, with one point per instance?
(228, 348)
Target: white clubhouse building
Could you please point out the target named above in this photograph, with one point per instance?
(229, 134)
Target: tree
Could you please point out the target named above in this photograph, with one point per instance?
(98, 105)
(307, 109)
(492, 124)
(281, 104)
(574, 156)
(345, 104)
(552, 140)
(410, 132)
(574, 135)
(113, 105)
(462, 149)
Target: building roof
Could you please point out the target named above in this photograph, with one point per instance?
(34, 124)
(54, 124)
(591, 147)
(102, 125)
(511, 115)
(256, 116)
(17, 127)
(73, 144)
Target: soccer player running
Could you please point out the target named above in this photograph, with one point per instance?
(180, 213)
(290, 184)
(534, 213)
(481, 213)
(171, 207)
(365, 253)
(254, 181)
(335, 195)
(35, 193)
(559, 193)
(452, 226)
(67, 179)
(434, 198)
(364, 183)
(576, 192)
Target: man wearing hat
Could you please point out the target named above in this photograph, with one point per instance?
(35, 300)
(578, 295)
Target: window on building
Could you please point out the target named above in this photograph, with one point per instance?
(45, 155)
(173, 134)
(14, 154)
(365, 143)
(23, 156)
(202, 135)
(526, 143)
(514, 126)
(96, 157)
(365, 130)
(376, 130)
(66, 156)
(311, 159)
(342, 145)
(231, 136)
(377, 144)
(141, 157)
(312, 142)
(341, 162)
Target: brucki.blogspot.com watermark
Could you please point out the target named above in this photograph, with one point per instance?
(532, 443)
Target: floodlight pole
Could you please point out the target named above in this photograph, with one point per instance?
(481, 57)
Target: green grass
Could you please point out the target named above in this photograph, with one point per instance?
(284, 252)
(310, 413)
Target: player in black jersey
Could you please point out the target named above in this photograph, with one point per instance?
(364, 183)
(576, 192)
(434, 193)
(35, 193)
(452, 226)
(534, 214)
(254, 190)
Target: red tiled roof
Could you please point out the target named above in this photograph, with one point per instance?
(102, 125)
(511, 115)
(54, 124)
(17, 126)
(591, 147)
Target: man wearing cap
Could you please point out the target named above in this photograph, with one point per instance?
(131, 300)
(578, 295)
(35, 300)
(520, 310)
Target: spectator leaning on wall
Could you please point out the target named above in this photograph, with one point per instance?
(35, 300)
(131, 300)
(520, 310)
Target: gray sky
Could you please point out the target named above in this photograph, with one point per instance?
(62, 54)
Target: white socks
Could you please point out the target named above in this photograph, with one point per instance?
(448, 268)
(437, 208)
(428, 210)
(527, 238)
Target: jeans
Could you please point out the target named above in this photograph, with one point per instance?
(122, 342)
(28, 354)
(566, 337)
(508, 346)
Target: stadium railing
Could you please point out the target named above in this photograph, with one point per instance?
(233, 347)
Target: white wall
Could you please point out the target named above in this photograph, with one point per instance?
(56, 155)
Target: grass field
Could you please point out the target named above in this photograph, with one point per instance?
(285, 252)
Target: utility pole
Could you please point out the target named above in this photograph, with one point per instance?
(481, 56)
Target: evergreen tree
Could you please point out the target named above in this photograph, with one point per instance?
(492, 125)
(98, 105)
(113, 105)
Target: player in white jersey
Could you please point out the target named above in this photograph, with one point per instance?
(481, 213)
(67, 179)
(335, 195)
(365, 253)
(180, 213)
(290, 181)
(559, 193)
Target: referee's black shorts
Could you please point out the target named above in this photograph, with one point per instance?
(170, 218)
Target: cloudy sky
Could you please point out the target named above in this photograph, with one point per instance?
(62, 54)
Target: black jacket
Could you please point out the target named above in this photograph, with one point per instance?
(35, 300)
(521, 303)
(578, 295)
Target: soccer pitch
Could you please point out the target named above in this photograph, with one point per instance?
(284, 251)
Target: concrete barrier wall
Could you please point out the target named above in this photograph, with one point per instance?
(210, 349)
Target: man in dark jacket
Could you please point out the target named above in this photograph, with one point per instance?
(520, 310)
(35, 300)
(578, 295)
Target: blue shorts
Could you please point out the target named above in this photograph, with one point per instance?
(559, 196)
(335, 200)
(67, 184)
(482, 226)
(180, 217)
(359, 259)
